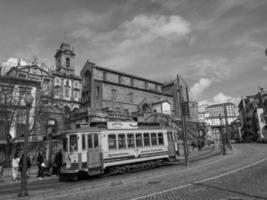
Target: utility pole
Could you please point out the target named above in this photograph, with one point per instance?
(183, 121)
(227, 136)
(222, 136)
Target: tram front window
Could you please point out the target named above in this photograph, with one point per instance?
(73, 143)
(65, 144)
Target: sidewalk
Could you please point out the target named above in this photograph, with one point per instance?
(7, 179)
(7, 176)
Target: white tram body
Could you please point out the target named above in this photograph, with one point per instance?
(94, 150)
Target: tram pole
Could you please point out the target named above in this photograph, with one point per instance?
(183, 121)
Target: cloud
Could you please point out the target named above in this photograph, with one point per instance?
(220, 98)
(136, 40)
(215, 68)
(11, 62)
(199, 87)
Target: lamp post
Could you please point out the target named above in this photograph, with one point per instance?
(185, 136)
(222, 136)
(23, 190)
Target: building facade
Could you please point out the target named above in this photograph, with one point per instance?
(60, 91)
(218, 117)
(13, 109)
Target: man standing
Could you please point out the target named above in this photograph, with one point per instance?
(57, 162)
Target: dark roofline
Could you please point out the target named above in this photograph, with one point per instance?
(126, 74)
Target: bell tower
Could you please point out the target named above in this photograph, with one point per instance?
(64, 58)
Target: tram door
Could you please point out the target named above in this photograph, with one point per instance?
(93, 154)
(171, 144)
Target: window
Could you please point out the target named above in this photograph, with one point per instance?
(112, 142)
(83, 142)
(57, 92)
(139, 142)
(154, 140)
(76, 84)
(121, 141)
(97, 91)
(113, 94)
(46, 87)
(22, 75)
(67, 91)
(89, 141)
(73, 143)
(130, 140)
(146, 139)
(96, 140)
(67, 62)
(65, 144)
(160, 139)
(76, 95)
(169, 135)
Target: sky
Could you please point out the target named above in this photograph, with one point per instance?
(217, 46)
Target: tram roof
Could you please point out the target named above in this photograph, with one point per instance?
(94, 129)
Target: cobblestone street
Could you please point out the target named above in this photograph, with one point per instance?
(234, 176)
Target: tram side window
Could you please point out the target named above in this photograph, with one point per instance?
(65, 144)
(139, 142)
(154, 140)
(89, 141)
(83, 142)
(73, 143)
(121, 141)
(160, 139)
(130, 140)
(146, 139)
(112, 142)
(96, 140)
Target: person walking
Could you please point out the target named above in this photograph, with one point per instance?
(15, 166)
(40, 161)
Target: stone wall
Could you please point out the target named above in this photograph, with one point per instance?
(123, 99)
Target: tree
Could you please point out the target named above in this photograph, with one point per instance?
(13, 111)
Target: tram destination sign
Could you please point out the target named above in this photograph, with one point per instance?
(122, 125)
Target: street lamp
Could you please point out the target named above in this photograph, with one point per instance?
(23, 190)
(222, 136)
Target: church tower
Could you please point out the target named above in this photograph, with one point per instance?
(64, 59)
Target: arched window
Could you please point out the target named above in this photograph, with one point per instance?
(67, 62)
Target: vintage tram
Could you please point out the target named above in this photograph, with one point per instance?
(121, 147)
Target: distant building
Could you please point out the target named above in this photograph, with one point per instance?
(218, 115)
(252, 110)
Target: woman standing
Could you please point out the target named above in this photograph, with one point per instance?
(15, 166)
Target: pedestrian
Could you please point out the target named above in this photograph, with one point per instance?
(28, 163)
(57, 163)
(15, 166)
(2, 162)
(40, 160)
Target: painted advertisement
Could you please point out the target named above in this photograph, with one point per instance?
(122, 125)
